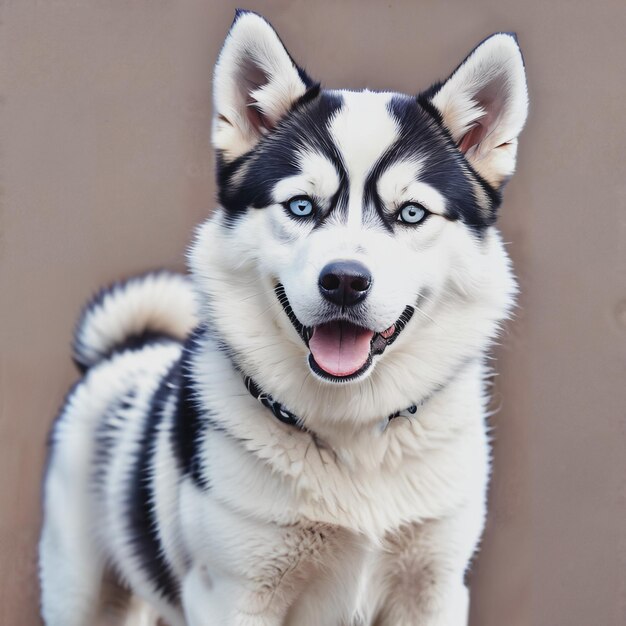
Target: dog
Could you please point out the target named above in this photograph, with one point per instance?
(295, 434)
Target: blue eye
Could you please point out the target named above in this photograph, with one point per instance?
(412, 214)
(301, 206)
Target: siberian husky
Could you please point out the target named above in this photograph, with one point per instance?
(295, 435)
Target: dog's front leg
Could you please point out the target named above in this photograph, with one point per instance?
(226, 601)
(256, 578)
(419, 578)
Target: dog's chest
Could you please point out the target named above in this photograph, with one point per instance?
(371, 486)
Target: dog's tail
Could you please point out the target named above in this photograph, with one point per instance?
(129, 313)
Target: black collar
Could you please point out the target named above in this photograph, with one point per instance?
(286, 416)
(279, 411)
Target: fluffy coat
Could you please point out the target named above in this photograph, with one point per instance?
(165, 470)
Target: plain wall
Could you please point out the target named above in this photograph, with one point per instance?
(106, 167)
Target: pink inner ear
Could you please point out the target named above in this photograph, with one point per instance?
(491, 99)
(472, 137)
(259, 122)
(252, 77)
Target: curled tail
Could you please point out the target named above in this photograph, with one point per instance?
(158, 304)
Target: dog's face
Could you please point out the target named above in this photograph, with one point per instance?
(356, 220)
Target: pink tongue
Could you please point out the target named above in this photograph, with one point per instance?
(340, 348)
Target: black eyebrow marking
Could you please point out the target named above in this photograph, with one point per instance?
(248, 181)
(442, 166)
(338, 204)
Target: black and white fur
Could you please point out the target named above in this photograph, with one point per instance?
(166, 471)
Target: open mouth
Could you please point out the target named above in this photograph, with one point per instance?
(341, 350)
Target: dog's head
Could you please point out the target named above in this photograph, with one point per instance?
(354, 242)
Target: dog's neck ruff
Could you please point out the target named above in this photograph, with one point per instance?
(287, 417)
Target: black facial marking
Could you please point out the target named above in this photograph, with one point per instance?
(493, 195)
(302, 330)
(442, 166)
(310, 94)
(338, 207)
(248, 181)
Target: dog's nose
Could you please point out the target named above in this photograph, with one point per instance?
(345, 282)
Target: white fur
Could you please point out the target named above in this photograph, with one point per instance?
(318, 179)
(253, 69)
(496, 67)
(81, 534)
(362, 131)
(400, 184)
(353, 519)
(161, 302)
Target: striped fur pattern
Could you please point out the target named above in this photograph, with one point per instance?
(166, 473)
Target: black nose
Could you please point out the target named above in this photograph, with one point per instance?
(345, 282)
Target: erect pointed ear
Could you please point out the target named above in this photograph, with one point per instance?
(484, 104)
(255, 83)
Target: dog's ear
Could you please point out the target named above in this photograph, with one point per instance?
(484, 104)
(255, 83)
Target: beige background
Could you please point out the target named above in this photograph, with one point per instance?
(106, 167)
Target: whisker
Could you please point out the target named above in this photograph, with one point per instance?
(428, 317)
